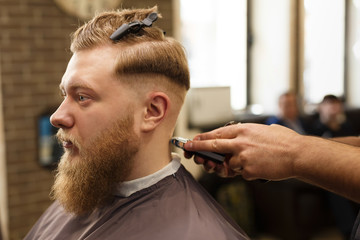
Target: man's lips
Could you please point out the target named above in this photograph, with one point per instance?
(67, 144)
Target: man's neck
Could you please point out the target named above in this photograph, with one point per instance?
(152, 156)
(125, 189)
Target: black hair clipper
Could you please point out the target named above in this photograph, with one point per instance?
(213, 156)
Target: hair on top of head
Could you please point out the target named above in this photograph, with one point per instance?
(133, 27)
(98, 30)
(146, 51)
(331, 98)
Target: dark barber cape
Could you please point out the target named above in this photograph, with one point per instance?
(176, 207)
(356, 230)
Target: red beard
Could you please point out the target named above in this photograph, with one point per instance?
(88, 182)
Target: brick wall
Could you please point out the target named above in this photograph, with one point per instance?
(34, 43)
(34, 39)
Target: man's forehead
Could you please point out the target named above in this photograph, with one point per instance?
(87, 67)
(103, 57)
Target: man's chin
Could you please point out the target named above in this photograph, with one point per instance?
(73, 151)
(70, 162)
(71, 154)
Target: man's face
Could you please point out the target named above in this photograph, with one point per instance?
(96, 121)
(288, 107)
(93, 97)
(330, 110)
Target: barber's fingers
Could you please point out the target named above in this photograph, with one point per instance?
(188, 154)
(209, 166)
(199, 160)
(227, 132)
(213, 145)
(221, 170)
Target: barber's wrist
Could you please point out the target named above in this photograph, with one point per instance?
(302, 147)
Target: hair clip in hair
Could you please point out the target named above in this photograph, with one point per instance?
(133, 27)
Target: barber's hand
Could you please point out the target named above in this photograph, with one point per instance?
(255, 151)
(222, 170)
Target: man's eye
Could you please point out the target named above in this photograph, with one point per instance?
(82, 98)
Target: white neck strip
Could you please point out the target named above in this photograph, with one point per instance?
(125, 189)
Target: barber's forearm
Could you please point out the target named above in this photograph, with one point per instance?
(330, 165)
(355, 141)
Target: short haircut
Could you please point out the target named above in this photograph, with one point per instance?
(331, 99)
(145, 52)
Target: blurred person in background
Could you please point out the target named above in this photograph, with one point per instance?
(332, 120)
(289, 115)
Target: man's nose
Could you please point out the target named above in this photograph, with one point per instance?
(62, 117)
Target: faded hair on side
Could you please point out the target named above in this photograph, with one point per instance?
(147, 51)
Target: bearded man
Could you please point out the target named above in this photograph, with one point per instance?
(123, 89)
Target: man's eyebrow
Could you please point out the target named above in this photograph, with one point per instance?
(76, 85)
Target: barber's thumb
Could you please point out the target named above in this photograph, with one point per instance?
(189, 145)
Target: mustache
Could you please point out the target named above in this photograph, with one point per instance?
(61, 136)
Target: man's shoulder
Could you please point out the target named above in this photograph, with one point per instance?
(188, 207)
(49, 223)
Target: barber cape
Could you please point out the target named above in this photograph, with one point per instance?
(356, 230)
(169, 204)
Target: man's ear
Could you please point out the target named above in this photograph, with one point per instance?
(156, 107)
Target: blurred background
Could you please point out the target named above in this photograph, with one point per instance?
(243, 55)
